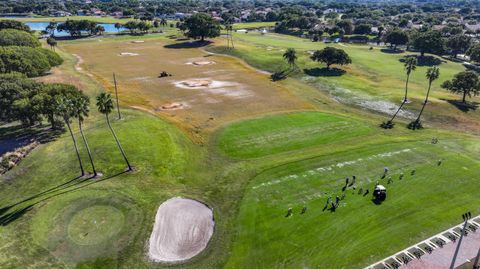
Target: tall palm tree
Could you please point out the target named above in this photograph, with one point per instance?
(64, 108)
(432, 74)
(290, 56)
(105, 106)
(229, 28)
(410, 66)
(81, 108)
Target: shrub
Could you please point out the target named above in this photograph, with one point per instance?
(32, 62)
(12, 37)
(53, 58)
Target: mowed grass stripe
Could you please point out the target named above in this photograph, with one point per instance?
(286, 132)
(360, 231)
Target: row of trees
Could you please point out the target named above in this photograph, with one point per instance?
(430, 41)
(329, 56)
(77, 27)
(28, 101)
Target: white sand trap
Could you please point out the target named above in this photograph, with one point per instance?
(128, 54)
(195, 83)
(138, 41)
(201, 63)
(215, 87)
(182, 229)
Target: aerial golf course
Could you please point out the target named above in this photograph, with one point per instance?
(219, 131)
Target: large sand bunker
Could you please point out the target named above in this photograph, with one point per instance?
(182, 229)
(195, 83)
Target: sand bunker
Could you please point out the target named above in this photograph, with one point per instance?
(128, 54)
(173, 106)
(201, 63)
(215, 87)
(182, 229)
(195, 83)
(138, 41)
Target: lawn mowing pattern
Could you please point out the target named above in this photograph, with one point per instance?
(75, 230)
(359, 232)
(285, 132)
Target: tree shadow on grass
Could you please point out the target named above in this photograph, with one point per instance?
(425, 60)
(188, 45)
(69, 186)
(324, 72)
(392, 51)
(464, 107)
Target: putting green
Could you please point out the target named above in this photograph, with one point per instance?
(286, 132)
(87, 225)
(95, 224)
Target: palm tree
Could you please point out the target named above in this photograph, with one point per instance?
(105, 106)
(432, 74)
(80, 111)
(410, 65)
(163, 22)
(229, 28)
(290, 56)
(64, 108)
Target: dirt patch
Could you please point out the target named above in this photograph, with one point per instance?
(138, 41)
(173, 106)
(195, 83)
(182, 230)
(128, 54)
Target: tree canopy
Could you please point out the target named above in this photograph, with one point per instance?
(465, 83)
(396, 37)
(458, 44)
(13, 37)
(429, 42)
(12, 24)
(32, 62)
(331, 55)
(202, 25)
(474, 53)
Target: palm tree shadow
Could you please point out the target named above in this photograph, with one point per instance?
(7, 218)
(464, 107)
(324, 72)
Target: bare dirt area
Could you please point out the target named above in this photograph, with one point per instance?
(181, 231)
(217, 89)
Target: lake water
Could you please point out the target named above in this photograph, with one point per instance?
(40, 26)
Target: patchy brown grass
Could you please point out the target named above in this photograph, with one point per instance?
(234, 91)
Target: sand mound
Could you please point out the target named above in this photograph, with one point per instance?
(172, 106)
(128, 54)
(182, 229)
(201, 63)
(196, 83)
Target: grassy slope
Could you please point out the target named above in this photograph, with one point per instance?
(170, 165)
(281, 133)
(359, 232)
(373, 74)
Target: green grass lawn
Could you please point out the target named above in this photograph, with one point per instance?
(375, 80)
(280, 133)
(360, 231)
(252, 25)
(250, 172)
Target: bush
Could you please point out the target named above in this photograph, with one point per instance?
(53, 58)
(12, 37)
(12, 24)
(32, 62)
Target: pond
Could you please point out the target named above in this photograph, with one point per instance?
(40, 26)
